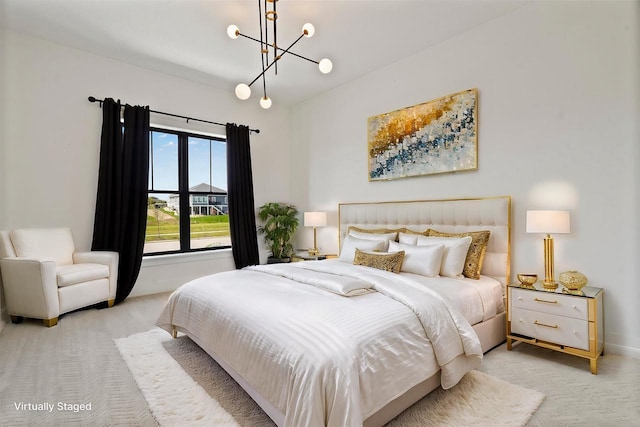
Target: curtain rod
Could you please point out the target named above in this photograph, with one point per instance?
(93, 99)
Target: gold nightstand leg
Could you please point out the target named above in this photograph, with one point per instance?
(50, 322)
(594, 366)
(509, 344)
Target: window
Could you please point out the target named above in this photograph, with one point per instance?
(187, 206)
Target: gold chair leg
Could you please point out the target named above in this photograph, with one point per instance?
(111, 302)
(50, 322)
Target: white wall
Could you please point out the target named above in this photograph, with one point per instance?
(3, 178)
(558, 112)
(51, 136)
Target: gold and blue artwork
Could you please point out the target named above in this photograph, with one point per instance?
(439, 136)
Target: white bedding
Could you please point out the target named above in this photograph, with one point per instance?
(477, 300)
(319, 357)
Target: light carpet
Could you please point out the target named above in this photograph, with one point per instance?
(184, 386)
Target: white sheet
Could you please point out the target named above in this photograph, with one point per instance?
(478, 300)
(368, 350)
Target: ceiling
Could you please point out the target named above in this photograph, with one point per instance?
(187, 38)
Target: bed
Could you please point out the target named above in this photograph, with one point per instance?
(332, 343)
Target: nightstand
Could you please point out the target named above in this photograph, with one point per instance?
(560, 320)
(304, 256)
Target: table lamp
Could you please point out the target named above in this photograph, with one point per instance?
(315, 219)
(548, 222)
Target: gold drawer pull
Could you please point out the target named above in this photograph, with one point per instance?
(544, 300)
(542, 324)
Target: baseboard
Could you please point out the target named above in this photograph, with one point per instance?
(621, 350)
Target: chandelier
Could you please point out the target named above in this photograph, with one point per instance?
(270, 52)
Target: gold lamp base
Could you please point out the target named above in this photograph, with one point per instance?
(314, 251)
(549, 282)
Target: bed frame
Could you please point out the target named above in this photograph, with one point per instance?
(451, 216)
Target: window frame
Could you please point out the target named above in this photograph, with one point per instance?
(183, 187)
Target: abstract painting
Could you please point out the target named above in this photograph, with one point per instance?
(439, 136)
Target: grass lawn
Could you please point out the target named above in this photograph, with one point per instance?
(164, 225)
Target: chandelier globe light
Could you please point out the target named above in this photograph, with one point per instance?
(243, 91)
(233, 31)
(265, 102)
(308, 30)
(325, 65)
(268, 40)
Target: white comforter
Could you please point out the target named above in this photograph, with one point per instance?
(320, 357)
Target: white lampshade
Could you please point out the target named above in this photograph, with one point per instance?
(325, 65)
(243, 91)
(315, 219)
(265, 102)
(232, 31)
(548, 222)
(308, 30)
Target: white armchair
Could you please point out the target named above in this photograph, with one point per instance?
(44, 277)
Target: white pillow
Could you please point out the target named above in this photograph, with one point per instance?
(351, 243)
(408, 238)
(424, 260)
(387, 237)
(455, 253)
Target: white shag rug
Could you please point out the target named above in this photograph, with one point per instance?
(184, 386)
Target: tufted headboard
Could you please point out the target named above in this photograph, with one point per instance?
(451, 216)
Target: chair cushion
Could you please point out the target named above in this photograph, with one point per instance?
(55, 244)
(72, 274)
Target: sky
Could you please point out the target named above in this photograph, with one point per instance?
(202, 153)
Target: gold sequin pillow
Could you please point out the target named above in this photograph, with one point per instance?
(374, 230)
(381, 261)
(475, 255)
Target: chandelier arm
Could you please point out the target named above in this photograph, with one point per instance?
(266, 31)
(289, 52)
(260, 17)
(262, 52)
(264, 84)
(275, 35)
(262, 73)
(303, 57)
(277, 58)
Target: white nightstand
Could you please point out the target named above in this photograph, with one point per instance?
(304, 256)
(560, 320)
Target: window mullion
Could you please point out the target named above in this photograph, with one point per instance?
(183, 188)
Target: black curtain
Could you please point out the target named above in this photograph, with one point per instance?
(242, 216)
(121, 203)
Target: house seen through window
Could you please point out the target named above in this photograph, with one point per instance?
(188, 207)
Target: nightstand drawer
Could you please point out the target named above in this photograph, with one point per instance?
(551, 303)
(549, 327)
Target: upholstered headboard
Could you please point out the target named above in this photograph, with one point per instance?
(451, 216)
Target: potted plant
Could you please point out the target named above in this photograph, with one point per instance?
(279, 222)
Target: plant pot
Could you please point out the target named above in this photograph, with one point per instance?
(272, 260)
